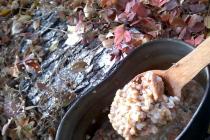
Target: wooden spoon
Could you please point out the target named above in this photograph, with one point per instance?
(178, 75)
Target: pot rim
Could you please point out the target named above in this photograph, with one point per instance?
(118, 65)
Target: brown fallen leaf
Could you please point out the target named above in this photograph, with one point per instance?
(17, 27)
(29, 63)
(108, 43)
(19, 23)
(67, 98)
(5, 40)
(13, 71)
(116, 54)
(177, 22)
(108, 15)
(107, 40)
(89, 10)
(78, 66)
(51, 132)
(32, 64)
(76, 3)
(119, 4)
(36, 24)
(165, 16)
(41, 86)
(107, 3)
(148, 24)
(22, 120)
(138, 39)
(24, 127)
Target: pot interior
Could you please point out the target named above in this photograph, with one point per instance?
(90, 111)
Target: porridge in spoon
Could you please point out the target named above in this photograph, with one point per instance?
(142, 110)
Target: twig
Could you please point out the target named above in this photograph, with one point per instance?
(55, 29)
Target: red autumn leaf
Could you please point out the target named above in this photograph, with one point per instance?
(140, 10)
(123, 17)
(190, 41)
(195, 41)
(121, 34)
(148, 25)
(132, 9)
(127, 36)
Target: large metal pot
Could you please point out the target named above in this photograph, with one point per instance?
(158, 54)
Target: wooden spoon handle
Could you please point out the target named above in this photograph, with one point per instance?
(189, 66)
